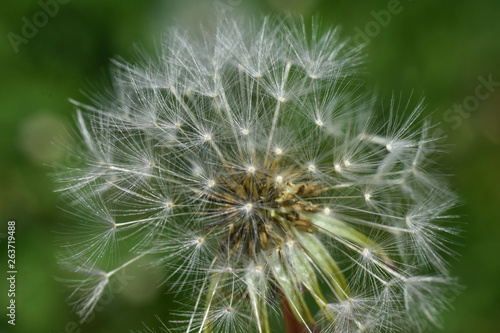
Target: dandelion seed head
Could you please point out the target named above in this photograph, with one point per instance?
(251, 161)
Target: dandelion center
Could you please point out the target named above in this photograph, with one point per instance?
(277, 212)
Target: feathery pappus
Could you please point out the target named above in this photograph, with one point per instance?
(253, 164)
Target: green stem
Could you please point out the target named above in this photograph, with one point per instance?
(292, 325)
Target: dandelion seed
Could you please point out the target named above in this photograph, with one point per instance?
(185, 158)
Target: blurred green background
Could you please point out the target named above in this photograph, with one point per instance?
(437, 48)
